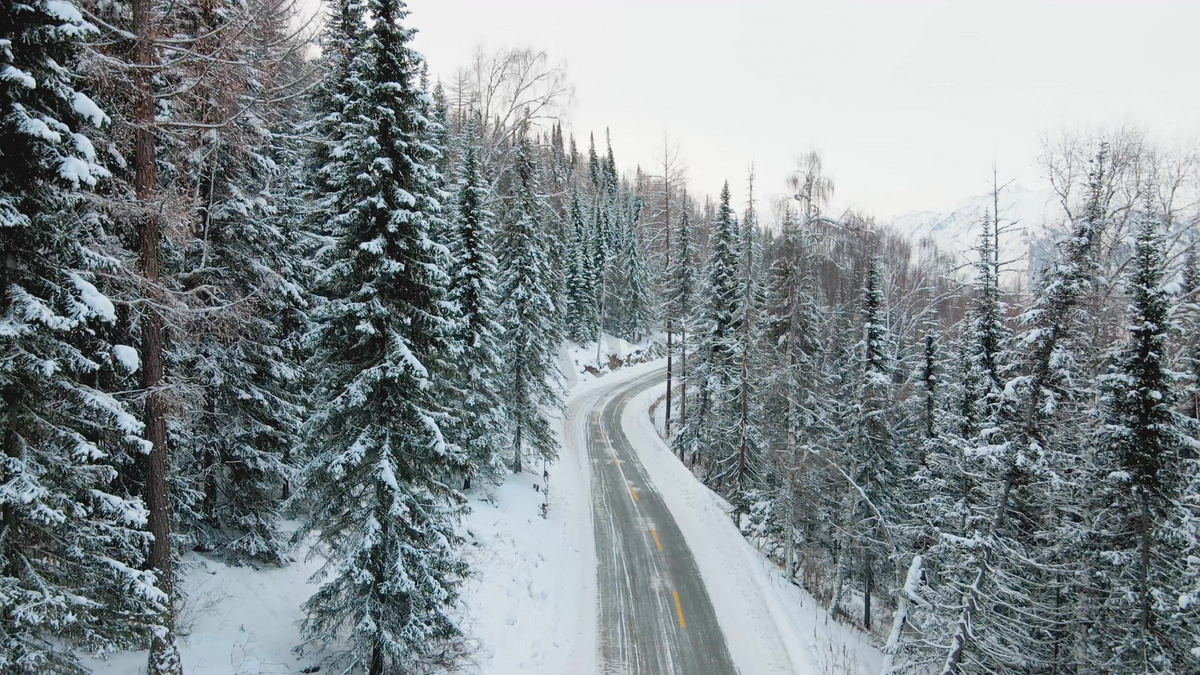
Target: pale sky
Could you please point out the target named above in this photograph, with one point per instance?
(909, 103)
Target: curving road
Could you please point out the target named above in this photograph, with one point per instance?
(655, 615)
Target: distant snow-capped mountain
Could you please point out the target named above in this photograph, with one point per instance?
(1024, 215)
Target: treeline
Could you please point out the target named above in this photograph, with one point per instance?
(248, 282)
(991, 482)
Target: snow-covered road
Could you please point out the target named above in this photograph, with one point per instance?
(763, 623)
(655, 615)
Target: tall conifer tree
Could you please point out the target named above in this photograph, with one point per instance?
(531, 335)
(473, 289)
(72, 546)
(382, 509)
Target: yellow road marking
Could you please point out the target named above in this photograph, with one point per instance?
(678, 609)
(656, 541)
(632, 492)
(615, 458)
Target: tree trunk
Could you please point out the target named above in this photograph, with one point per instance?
(8, 528)
(287, 482)
(164, 658)
(745, 419)
(667, 229)
(900, 618)
(791, 520)
(210, 489)
(682, 383)
(667, 423)
(1144, 578)
(838, 583)
(517, 451)
(970, 605)
(868, 587)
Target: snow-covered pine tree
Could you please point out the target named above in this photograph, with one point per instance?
(1139, 538)
(711, 432)
(73, 544)
(594, 172)
(243, 271)
(793, 320)
(473, 290)
(608, 166)
(635, 304)
(1190, 308)
(441, 138)
(598, 267)
(680, 298)
(950, 481)
(872, 452)
(748, 469)
(579, 296)
(528, 314)
(377, 482)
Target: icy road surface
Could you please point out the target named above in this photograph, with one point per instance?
(654, 613)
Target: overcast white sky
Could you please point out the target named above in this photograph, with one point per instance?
(908, 102)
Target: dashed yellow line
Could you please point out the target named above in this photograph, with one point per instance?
(633, 492)
(656, 541)
(678, 609)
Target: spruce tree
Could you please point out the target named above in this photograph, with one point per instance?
(748, 469)
(580, 299)
(793, 320)
(872, 458)
(473, 290)
(1139, 540)
(73, 543)
(244, 269)
(679, 298)
(636, 303)
(382, 509)
(713, 427)
(530, 340)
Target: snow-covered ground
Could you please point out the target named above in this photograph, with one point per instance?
(771, 625)
(234, 620)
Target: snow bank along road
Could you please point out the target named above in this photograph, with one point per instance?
(654, 613)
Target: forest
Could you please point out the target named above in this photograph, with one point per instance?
(260, 268)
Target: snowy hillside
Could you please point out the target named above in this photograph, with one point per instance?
(1023, 213)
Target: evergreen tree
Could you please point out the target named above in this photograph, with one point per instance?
(635, 282)
(713, 427)
(1139, 539)
(594, 170)
(680, 298)
(873, 462)
(749, 466)
(793, 321)
(950, 478)
(580, 299)
(382, 509)
(244, 272)
(598, 269)
(1190, 306)
(472, 288)
(530, 342)
(72, 546)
